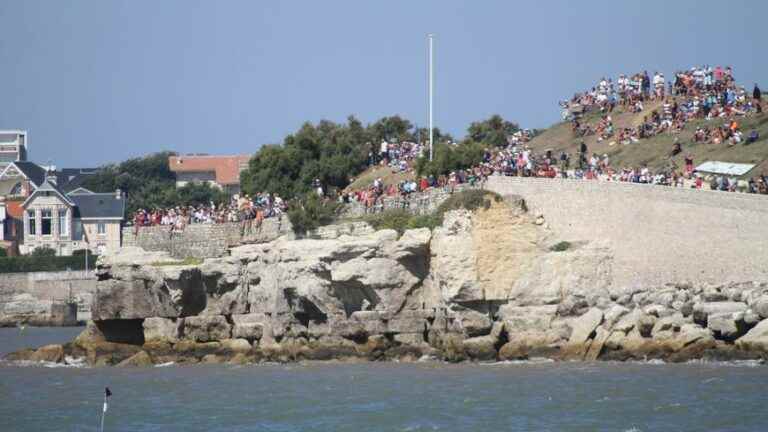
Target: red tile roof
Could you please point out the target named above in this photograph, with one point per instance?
(227, 168)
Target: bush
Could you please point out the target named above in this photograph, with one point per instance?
(43, 251)
(3, 252)
(311, 212)
(31, 263)
(469, 200)
(401, 220)
(561, 247)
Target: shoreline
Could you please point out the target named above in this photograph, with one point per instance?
(90, 349)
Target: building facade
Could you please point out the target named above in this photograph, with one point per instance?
(220, 171)
(13, 147)
(69, 222)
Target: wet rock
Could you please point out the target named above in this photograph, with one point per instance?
(585, 325)
(481, 347)
(109, 353)
(596, 347)
(197, 350)
(90, 335)
(164, 329)
(663, 327)
(614, 314)
(20, 355)
(140, 359)
(702, 310)
(248, 326)
(727, 326)
(49, 353)
(471, 322)
(760, 306)
(410, 339)
(213, 359)
(236, 345)
(160, 351)
(756, 338)
(207, 328)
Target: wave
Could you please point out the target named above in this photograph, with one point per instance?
(534, 360)
(644, 362)
(69, 362)
(166, 364)
(734, 363)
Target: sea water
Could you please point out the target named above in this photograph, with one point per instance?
(430, 396)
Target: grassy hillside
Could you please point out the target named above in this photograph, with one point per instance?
(651, 151)
(388, 176)
(655, 151)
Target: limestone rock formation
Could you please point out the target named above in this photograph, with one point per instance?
(486, 285)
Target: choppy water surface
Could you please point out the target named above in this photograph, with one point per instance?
(387, 397)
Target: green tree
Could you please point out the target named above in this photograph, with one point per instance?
(392, 129)
(327, 151)
(310, 212)
(493, 131)
(450, 157)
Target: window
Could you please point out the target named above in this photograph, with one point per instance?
(101, 228)
(32, 222)
(77, 229)
(63, 225)
(46, 222)
(17, 189)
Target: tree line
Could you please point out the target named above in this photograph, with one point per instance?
(333, 153)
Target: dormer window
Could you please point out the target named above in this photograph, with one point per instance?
(17, 189)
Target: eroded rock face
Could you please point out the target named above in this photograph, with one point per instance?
(451, 293)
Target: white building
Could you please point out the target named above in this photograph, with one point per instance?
(13, 146)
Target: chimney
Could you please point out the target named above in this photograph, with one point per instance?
(118, 194)
(50, 176)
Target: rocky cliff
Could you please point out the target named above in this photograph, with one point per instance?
(488, 285)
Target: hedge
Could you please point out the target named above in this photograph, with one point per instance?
(23, 264)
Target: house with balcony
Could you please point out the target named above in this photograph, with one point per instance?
(66, 222)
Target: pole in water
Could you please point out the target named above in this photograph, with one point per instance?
(107, 394)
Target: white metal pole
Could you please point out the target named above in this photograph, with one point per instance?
(431, 92)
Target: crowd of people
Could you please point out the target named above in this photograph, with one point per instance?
(699, 93)
(249, 211)
(397, 155)
(524, 162)
(704, 93)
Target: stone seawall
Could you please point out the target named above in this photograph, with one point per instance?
(658, 234)
(203, 240)
(417, 203)
(40, 298)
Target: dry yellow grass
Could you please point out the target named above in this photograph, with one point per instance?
(388, 176)
(655, 151)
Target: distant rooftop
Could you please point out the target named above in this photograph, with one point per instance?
(226, 168)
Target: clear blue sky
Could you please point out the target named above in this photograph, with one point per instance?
(100, 81)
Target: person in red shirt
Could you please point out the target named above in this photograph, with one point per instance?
(423, 184)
